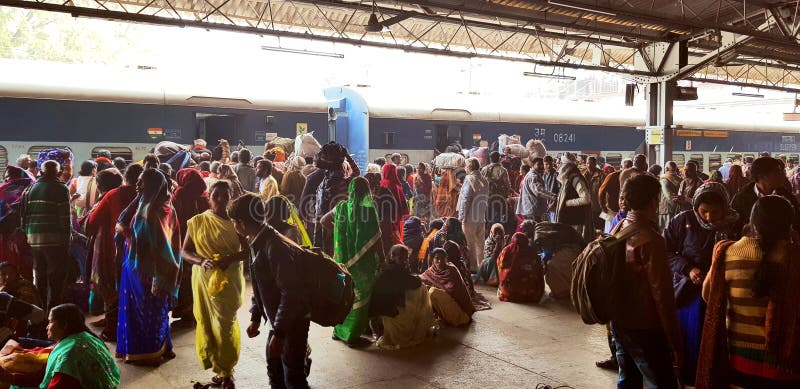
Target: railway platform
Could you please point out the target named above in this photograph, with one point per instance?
(510, 346)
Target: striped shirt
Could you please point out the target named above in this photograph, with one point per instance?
(46, 214)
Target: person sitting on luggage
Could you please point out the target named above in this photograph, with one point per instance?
(448, 292)
(400, 304)
(277, 294)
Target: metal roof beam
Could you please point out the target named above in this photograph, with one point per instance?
(730, 43)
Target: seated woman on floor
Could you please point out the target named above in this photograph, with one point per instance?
(521, 273)
(427, 244)
(400, 304)
(79, 359)
(487, 273)
(448, 292)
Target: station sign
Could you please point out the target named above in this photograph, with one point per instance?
(654, 136)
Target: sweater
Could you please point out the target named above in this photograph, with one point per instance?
(46, 214)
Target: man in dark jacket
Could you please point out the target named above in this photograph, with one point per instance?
(768, 178)
(647, 334)
(277, 295)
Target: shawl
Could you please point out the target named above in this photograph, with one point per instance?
(736, 180)
(447, 194)
(731, 216)
(86, 358)
(520, 272)
(286, 217)
(190, 198)
(782, 321)
(448, 279)
(10, 193)
(493, 244)
(269, 188)
(423, 182)
(392, 182)
(356, 227)
(292, 185)
(155, 244)
(423, 249)
(389, 291)
(673, 179)
(412, 233)
(456, 255)
(452, 230)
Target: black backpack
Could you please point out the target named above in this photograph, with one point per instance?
(329, 285)
(597, 276)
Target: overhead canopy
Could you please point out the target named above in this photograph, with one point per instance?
(750, 43)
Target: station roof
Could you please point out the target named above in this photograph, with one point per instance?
(749, 43)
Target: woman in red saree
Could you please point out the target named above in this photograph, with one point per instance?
(391, 181)
(520, 272)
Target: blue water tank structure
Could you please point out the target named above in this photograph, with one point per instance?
(348, 122)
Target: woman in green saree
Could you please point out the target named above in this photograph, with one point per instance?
(357, 245)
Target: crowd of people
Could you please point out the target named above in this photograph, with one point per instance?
(711, 275)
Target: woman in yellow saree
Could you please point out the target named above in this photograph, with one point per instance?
(217, 285)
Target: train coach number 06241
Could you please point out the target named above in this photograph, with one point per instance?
(564, 137)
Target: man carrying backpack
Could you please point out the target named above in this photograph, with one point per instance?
(277, 295)
(646, 330)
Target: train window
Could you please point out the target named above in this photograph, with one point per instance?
(124, 152)
(794, 158)
(3, 161)
(750, 156)
(33, 151)
(679, 159)
(699, 159)
(388, 138)
(714, 161)
(734, 157)
(614, 159)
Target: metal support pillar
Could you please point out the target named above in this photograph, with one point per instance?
(659, 117)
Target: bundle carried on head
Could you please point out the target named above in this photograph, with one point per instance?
(306, 145)
(517, 150)
(62, 156)
(449, 160)
(286, 144)
(331, 156)
(536, 148)
(482, 154)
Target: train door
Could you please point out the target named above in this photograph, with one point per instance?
(213, 127)
(450, 134)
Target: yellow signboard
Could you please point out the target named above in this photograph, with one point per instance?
(655, 137)
(301, 128)
(688, 133)
(715, 134)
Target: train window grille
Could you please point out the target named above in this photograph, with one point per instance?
(679, 159)
(714, 161)
(749, 156)
(734, 157)
(699, 159)
(389, 138)
(116, 151)
(33, 151)
(614, 159)
(3, 161)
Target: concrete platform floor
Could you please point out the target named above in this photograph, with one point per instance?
(509, 346)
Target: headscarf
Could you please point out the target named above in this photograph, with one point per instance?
(567, 171)
(11, 191)
(155, 245)
(108, 179)
(356, 226)
(520, 270)
(736, 180)
(451, 230)
(412, 233)
(493, 244)
(731, 216)
(715, 176)
(392, 182)
(282, 214)
(389, 292)
(296, 163)
(608, 169)
(173, 154)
